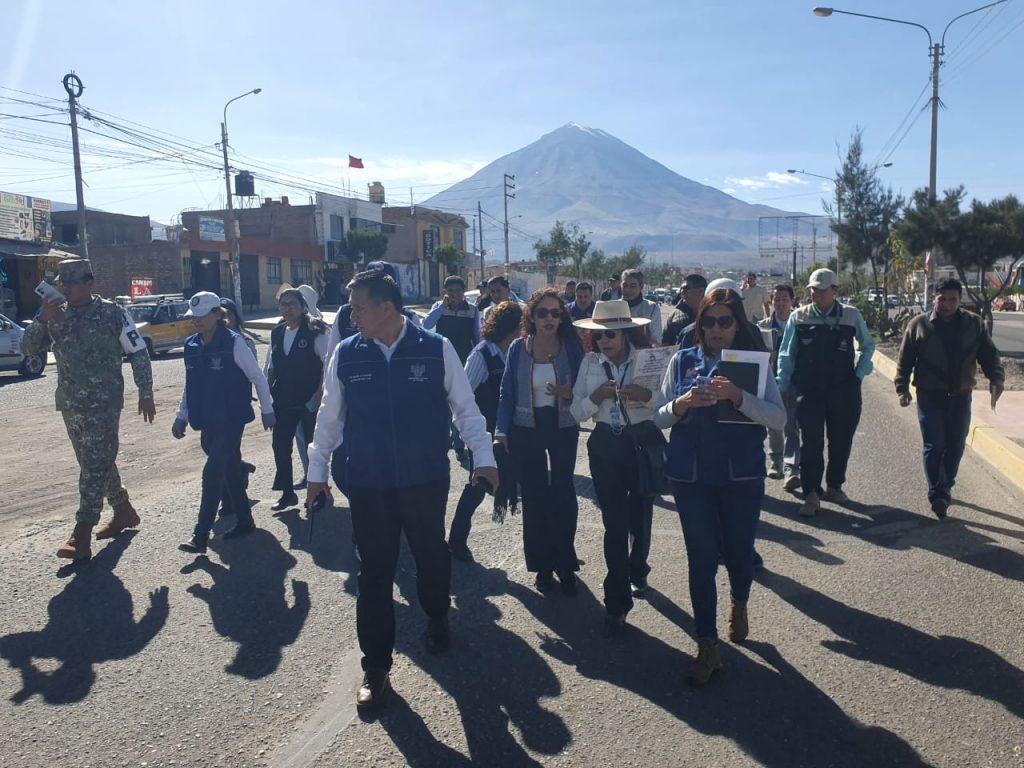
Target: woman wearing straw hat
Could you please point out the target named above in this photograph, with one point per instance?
(294, 368)
(605, 392)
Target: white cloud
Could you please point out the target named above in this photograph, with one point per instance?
(770, 180)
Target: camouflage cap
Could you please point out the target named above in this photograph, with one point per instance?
(74, 270)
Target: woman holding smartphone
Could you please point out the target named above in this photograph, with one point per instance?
(717, 469)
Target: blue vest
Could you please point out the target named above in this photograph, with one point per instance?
(297, 375)
(396, 414)
(824, 348)
(702, 450)
(217, 391)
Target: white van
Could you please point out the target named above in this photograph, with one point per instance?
(11, 357)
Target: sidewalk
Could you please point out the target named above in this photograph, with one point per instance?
(995, 436)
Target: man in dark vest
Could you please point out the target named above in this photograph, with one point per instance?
(389, 393)
(818, 359)
(458, 321)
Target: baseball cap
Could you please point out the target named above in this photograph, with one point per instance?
(202, 304)
(822, 278)
(386, 267)
(74, 270)
(723, 282)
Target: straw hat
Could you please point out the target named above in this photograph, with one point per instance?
(611, 316)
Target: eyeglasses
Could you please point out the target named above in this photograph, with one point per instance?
(723, 322)
(288, 304)
(543, 313)
(598, 335)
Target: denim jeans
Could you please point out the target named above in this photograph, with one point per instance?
(784, 444)
(718, 520)
(945, 421)
(223, 476)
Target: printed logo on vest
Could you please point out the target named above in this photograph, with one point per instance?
(843, 346)
(417, 372)
(216, 364)
(303, 343)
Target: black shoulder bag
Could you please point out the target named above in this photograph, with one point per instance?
(649, 446)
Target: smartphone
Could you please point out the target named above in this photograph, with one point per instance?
(703, 383)
(46, 291)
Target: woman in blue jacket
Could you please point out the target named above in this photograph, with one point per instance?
(537, 427)
(717, 469)
(220, 372)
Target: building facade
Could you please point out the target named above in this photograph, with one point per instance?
(414, 235)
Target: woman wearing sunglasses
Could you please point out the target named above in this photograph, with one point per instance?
(605, 392)
(717, 469)
(536, 426)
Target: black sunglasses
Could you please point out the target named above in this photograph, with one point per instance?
(544, 312)
(598, 335)
(725, 321)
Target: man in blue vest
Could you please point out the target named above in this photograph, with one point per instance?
(818, 359)
(389, 393)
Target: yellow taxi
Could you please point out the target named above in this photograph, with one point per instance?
(161, 322)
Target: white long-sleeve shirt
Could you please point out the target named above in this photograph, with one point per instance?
(330, 419)
(476, 366)
(245, 359)
(592, 376)
(321, 345)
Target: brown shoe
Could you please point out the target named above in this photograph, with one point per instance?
(811, 505)
(738, 626)
(709, 661)
(77, 547)
(374, 690)
(836, 496)
(124, 517)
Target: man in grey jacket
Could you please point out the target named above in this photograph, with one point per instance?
(943, 349)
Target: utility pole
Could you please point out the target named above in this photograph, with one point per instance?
(231, 225)
(473, 225)
(480, 227)
(73, 86)
(509, 186)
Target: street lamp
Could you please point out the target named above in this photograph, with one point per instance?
(839, 194)
(236, 283)
(935, 50)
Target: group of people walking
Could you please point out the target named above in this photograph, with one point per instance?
(379, 397)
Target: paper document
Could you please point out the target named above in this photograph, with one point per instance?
(651, 365)
(748, 371)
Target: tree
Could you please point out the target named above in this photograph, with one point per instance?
(564, 245)
(870, 214)
(969, 240)
(451, 257)
(364, 245)
(632, 258)
(595, 265)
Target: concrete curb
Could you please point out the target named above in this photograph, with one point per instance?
(1001, 453)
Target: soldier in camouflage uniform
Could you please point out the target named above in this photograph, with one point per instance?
(88, 336)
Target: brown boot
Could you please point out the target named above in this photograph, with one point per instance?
(709, 661)
(77, 547)
(738, 626)
(124, 517)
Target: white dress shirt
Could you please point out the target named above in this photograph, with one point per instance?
(245, 359)
(476, 366)
(321, 345)
(330, 419)
(592, 376)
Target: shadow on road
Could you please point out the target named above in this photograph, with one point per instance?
(944, 661)
(769, 710)
(91, 622)
(494, 677)
(247, 600)
(332, 547)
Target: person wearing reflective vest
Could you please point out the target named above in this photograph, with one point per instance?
(220, 372)
(817, 358)
(390, 393)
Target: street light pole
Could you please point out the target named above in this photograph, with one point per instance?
(935, 50)
(230, 225)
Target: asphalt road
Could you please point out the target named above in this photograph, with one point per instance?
(879, 636)
(1008, 333)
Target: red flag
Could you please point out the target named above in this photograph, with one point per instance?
(355, 162)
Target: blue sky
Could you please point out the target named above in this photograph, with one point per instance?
(729, 94)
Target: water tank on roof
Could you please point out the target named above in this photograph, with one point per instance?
(244, 184)
(376, 190)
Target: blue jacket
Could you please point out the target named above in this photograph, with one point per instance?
(515, 407)
(396, 413)
(217, 391)
(700, 449)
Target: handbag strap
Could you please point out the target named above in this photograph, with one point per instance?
(618, 402)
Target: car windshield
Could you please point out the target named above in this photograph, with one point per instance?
(140, 313)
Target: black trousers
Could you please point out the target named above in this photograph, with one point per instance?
(627, 515)
(471, 498)
(550, 507)
(223, 476)
(379, 517)
(835, 412)
(288, 420)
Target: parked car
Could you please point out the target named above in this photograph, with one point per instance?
(653, 296)
(1004, 304)
(11, 356)
(161, 323)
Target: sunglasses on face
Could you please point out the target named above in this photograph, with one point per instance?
(723, 322)
(598, 335)
(288, 304)
(544, 313)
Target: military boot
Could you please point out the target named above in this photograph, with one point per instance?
(124, 517)
(77, 547)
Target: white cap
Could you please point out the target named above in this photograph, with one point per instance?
(202, 304)
(723, 282)
(311, 297)
(822, 278)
